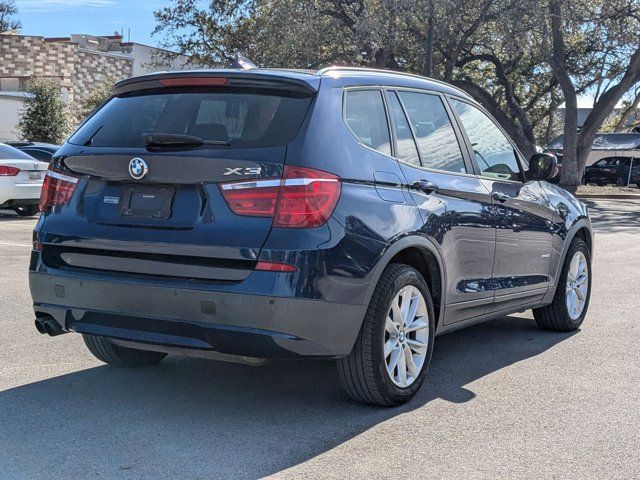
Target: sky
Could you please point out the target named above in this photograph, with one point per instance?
(60, 18)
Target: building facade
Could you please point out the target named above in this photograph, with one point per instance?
(78, 62)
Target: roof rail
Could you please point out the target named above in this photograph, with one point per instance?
(323, 71)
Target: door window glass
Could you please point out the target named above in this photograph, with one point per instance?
(365, 115)
(406, 146)
(437, 142)
(494, 153)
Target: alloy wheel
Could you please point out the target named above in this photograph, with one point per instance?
(577, 288)
(406, 336)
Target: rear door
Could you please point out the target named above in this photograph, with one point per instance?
(160, 209)
(454, 204)
(522, 212)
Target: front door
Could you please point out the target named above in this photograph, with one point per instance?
(521, 212)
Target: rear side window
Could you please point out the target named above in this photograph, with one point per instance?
(247, 118)
(437, 142)
(366, 117)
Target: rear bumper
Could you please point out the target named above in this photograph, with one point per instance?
(19, 194)
(198, 320)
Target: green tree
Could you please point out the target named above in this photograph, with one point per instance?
(8, 11)
(499, 51)
(45, 117)
(96, 97)
(629, 106)
(608, 33)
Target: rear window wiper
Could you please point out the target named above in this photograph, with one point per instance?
(176, 140)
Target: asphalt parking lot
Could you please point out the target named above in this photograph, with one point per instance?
(502, 400)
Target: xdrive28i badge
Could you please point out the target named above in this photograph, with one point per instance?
(138, 168)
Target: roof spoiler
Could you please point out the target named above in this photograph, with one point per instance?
(217, 78)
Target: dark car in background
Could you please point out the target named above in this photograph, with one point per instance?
(615, 148)
(38, 150)
(616, 170)
(345, 214)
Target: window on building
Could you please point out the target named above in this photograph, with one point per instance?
(9, 84)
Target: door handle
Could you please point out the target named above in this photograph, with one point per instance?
(425, 186)
(500, 197)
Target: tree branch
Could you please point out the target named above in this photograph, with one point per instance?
(509, 94)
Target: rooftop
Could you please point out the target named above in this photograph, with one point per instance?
(305, 78)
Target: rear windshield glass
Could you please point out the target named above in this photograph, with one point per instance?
(247, 118)
(9, 153)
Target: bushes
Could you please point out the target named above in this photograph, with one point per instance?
(45, 117)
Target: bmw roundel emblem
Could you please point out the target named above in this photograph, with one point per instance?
(138, 168)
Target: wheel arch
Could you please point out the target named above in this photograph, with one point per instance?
(580, 229)
(585, 235)
(423, 255)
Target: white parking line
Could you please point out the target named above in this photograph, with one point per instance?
(9, 244)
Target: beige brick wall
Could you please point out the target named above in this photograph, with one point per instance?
(77, 70)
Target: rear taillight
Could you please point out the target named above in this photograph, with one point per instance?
(6, 171)
(56, 189)
(303, 198)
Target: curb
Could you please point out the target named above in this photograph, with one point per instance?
(596, 196)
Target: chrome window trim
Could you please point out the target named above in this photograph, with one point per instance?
(289, 182)
(61, 176)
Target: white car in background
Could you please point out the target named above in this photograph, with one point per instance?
(21, 178)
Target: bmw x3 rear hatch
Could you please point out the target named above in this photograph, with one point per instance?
(146, 177)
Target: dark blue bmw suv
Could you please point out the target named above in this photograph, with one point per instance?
(346, 214)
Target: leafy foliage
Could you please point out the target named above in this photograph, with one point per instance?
(45, 117)
(96, 97)
(500, 51)
(8, 11)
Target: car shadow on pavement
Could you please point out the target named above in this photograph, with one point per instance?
(614, 216)
(189, 418)
(10, 215)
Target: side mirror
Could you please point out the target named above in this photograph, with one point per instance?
(542, 166)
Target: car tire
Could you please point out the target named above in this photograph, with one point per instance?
(26, 210)
(365, 374)
(117, 356)
(558, 315)
(621, 182)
